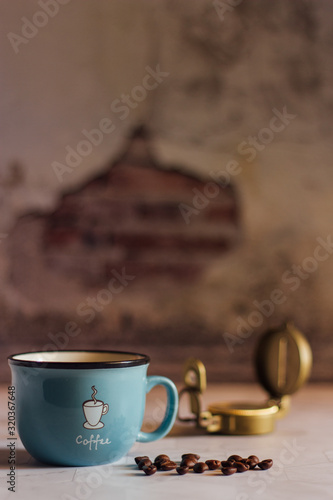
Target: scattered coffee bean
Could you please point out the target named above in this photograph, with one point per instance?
(149, 470)
(227, 471)
(191, 455)
(167, 465)
(252, 461)
(188, 462)
(249, 462)
(227, 463)
(144, 462)
(182, 470)
(160, 464)
(246, 461)
(265, 464)
(241, 467)
(235, 458)
(160, 458)
(138, 459)
(200, 467)
(213, 464)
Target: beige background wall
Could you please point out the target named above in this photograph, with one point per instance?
(226, 72)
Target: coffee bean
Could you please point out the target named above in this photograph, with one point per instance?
(143, 462)
(161, 463)
(252, 461)
(227, 471)
(247, 461)
(167, 465)
(241, 467)
(227, 463)
(182, 470)
(213, 464)
(188, 462)
(200, 467)
(265, 464)
(138, 459)
(149, 470)
(191, 455)
(235, 458)
(160, 458)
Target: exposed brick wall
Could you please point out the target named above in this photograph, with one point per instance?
(128, 218)
(131, 217)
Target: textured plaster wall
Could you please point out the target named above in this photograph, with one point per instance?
(225, 75)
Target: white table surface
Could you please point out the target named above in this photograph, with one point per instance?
(301, 447)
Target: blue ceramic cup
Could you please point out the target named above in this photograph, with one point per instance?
(85, 407)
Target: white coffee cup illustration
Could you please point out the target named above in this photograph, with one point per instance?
(93, 410)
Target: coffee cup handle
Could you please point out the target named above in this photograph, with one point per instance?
(170, 413)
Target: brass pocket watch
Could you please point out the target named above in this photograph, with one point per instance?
(283, 363)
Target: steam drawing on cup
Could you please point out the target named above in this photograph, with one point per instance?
(93, 409)
(94, 394)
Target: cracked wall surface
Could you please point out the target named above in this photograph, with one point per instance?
(247, 91)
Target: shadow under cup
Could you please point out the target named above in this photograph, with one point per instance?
(85, 407)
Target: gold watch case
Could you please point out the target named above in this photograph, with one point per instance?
(283, 363)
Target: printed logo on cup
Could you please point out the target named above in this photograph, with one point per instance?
(93, 410)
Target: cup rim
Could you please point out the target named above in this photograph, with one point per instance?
(137, 359)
